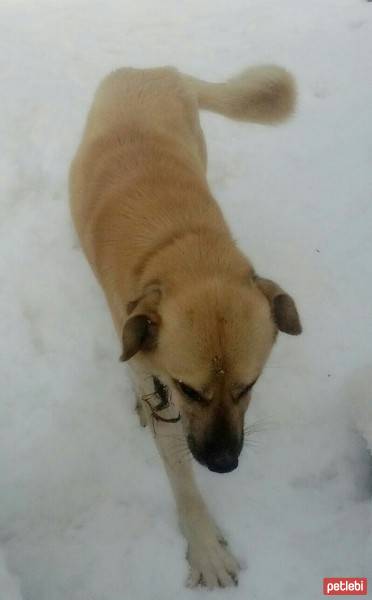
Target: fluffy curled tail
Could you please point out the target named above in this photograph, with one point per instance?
(262, 94)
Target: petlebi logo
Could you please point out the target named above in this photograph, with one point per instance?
(345, 586)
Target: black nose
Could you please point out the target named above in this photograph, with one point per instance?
(222, 463)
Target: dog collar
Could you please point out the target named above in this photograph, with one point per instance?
(161, 391)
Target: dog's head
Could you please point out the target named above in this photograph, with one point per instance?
(210, 344)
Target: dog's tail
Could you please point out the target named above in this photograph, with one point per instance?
(262, 94)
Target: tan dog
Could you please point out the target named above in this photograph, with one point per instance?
(193, 316)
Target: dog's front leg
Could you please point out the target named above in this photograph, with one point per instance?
(211, 563)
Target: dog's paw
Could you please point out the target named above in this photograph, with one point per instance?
(211, 563)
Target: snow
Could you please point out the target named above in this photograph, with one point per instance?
(85, 508)
(8, 584)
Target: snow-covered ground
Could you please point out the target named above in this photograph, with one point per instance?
(85, 509)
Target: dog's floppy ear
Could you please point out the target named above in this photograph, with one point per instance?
(140, 331)
(283, 307)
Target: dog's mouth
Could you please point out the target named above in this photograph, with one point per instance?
(216, 460)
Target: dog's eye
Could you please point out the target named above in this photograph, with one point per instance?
(245, 390)
(189, 392)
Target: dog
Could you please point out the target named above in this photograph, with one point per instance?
(194, 319)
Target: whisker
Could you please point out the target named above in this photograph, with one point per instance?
(261, 425)
(278, 367)
(252, 443)
(252, 448)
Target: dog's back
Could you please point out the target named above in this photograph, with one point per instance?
(139, 173)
